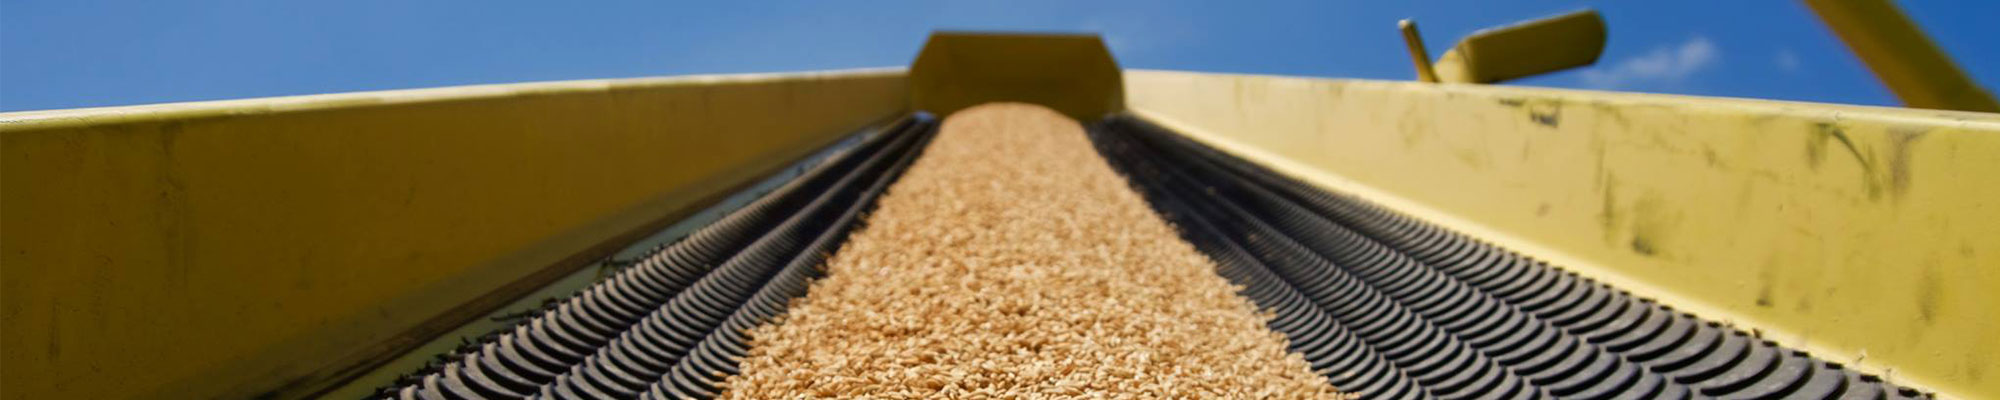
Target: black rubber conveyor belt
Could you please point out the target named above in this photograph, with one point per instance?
(670, 326)
(1392, 307)
(1381, 304)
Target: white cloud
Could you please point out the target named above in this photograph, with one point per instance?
(1787, 60)
(1663, 64)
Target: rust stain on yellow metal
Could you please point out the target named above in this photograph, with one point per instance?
(1074, 74)
(243, 248)
(1862, 234)
(1901, 56)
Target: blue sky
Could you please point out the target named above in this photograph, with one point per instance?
(78, 53)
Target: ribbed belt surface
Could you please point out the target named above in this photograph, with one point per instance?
(1393, 307)
(1380, 303)
(671, 325)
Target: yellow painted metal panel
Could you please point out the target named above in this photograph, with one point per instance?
(1866, 235)
(241, 248)
(1071, 73)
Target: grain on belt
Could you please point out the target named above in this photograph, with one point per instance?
(1010, 261)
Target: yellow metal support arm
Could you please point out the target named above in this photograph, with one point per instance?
(1514, 51)
(1901, 56)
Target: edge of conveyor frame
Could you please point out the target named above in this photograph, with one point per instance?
(22, 121)
(1843, 230)
(361, 223)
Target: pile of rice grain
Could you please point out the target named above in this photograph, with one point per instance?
(1011, 262)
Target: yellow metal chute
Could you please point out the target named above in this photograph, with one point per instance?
(277, 247)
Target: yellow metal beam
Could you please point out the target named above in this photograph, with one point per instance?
(1521, 50)
(1901, 56)
(1862, 234)
(1419, 56)
(259, 248)
(1073, 74)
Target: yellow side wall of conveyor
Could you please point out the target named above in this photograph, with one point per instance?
(242, 248)
(1866, 235)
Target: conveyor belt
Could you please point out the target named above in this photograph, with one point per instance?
(1381, 304)
(671, 325)
(1392, 307)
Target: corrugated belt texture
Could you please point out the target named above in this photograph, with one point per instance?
(673, 321)
(1460, 318)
